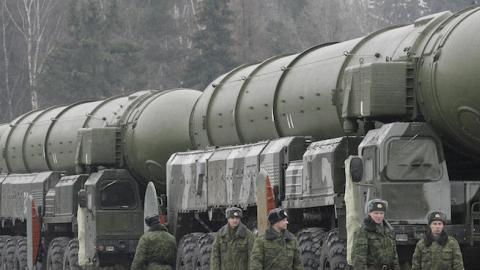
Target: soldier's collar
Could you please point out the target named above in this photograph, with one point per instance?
(371, 226)
(441, 240)
(271, 234)
(158, 227)
(241, 231)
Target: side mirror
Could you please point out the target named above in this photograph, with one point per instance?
(82, 198)
(162, 200)
(356, 169)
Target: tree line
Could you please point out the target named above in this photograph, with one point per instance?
(56, 52)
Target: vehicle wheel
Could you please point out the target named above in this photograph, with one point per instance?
(310, 241)
(8, 254)
(186, 251)
(3, 239)
(55, 252)
(21, 254)
(203, 251)
(334, 253)
(70, 258)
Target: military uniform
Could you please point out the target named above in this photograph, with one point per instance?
(440, 253)
(374, 245)
(276, 250)
(445, 255)
(232, 248)
(156, 250)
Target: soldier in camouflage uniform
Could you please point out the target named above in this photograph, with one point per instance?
(156, 249)
(233, 243)
(437, 251)
(278, 248)
(374, 246)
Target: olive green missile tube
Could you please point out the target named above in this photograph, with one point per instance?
(426, 71)
(436, 61)
(154, 124)
(449, 80)
(154, 130)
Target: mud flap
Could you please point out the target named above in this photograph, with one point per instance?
(354, 203)
(82, 260)
(150, 207)
(265, 200)
(86, 238)
(33, 231)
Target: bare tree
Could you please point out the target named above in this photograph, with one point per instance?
(7, 95)
(38, 25)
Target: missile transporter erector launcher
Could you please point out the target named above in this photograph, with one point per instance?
(98, 155)
(409, 96)
(404, 100)
(403, 162)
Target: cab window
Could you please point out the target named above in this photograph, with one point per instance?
(413, 159)
(117, 194)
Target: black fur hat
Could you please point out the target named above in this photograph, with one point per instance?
(152, 220)
(276, 214)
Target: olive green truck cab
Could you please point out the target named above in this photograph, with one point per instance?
(103, 231)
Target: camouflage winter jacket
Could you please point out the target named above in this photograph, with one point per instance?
(231, 249)
(441, 254)
(276, 251)
(374, 247)
(156, 250)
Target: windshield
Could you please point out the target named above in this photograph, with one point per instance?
(413, 159)
(116, 194)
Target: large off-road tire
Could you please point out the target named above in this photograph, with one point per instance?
(310, 241)
(55, 253)
(8, 253)
(3, 239)
(203, 251)
(186, 251)
(70, 257)
(334, 253)
(21, 254)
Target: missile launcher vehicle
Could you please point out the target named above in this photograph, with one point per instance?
(394, 114)
(99, 155)
(404, 101)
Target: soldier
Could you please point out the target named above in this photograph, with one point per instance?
(374, 246)
(437, 250)
(233, 243)
(278, 248)
(156, 248)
